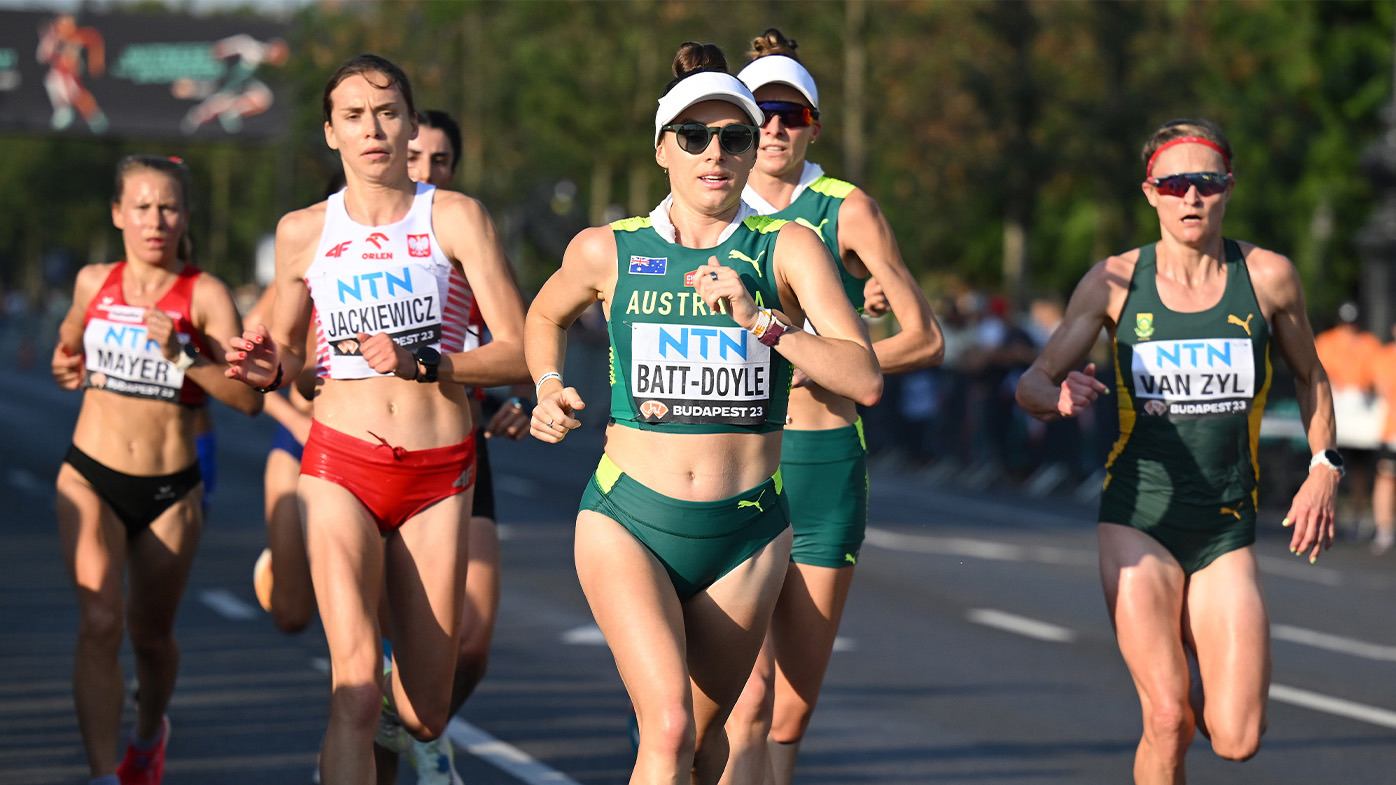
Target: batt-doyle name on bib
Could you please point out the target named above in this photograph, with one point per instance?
(1194, 378)
(403, 303)
(699, 373)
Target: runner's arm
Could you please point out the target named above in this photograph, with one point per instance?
(864, 230)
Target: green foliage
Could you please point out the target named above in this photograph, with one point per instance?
(975, 113)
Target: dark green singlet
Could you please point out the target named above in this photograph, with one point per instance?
(817, 207)
(675, 365)
(1191, 390)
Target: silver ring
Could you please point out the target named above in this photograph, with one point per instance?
(550, 423)
(713, 275)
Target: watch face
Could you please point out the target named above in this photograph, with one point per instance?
(428, 355)
(1334, 457)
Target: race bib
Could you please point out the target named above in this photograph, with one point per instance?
(402, 302)
(699, 374)
(1194, 378)
(121, 358)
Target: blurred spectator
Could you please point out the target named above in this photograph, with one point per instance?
(1348, 353)
(1384, 484)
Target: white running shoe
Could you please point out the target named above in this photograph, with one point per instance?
(435, 762)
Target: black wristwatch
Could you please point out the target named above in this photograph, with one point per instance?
(188, 355)
(428, 361)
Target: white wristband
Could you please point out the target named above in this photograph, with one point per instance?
(764, 317)
(544, 378)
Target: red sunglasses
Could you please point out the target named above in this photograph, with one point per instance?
(1206, 183)
(791, 114)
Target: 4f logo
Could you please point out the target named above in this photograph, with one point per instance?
(654, 409)
(376, 238)
(419, 245)
(334, 252)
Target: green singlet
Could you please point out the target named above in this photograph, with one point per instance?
(1192, 387)
(676, 366)
(817, 207)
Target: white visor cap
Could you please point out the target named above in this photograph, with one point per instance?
(705, 86)
(779, 69)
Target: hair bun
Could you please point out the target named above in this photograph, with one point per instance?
(693, 57)
(772, 42)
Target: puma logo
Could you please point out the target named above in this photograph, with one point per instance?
(819, 230)
(735, 254)
(850, 558)
(1228, 510)
(1232, 318)
(756, 504)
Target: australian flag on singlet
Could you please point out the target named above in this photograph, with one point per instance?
(648, 265)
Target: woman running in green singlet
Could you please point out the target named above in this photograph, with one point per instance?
(682, 541)
(1192, 319)
(823, 455)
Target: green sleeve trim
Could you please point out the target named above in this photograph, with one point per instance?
(764, 224)
(830, 186)
(631, 224)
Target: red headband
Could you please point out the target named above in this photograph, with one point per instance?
(1149, 170)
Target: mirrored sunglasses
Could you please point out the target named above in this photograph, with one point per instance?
(791, 114)
(1206, 183)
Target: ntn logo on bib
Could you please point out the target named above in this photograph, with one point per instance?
(698, 363)
(1204, 369)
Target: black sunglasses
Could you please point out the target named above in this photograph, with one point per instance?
(694, 138)
(1206, 183)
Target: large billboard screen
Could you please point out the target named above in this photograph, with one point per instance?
(143, 76)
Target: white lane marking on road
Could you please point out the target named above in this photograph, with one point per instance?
(977, 549)
(1291, 567)
(1335, 706)
(1020, 625)
(1322, 640)
(587, 635)
(225, 604)
(1047, 554)
(502, 756)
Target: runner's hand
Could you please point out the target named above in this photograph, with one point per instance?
(717, 284)
(67, 368)
(511, 420)
(384, 355)
(160, 329)
(1312, 514)
(253, 358)
(552, 417)
(875, 302)
(1079, 391)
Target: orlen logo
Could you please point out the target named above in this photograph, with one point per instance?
(419, 245)
(1155, 407)
(654, 409)
(375, 237)
(334, 252)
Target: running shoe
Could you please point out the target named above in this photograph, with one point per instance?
(435, 762)
(391, 734)
(261, 579)
(145, 767)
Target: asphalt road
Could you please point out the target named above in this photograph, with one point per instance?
(975, 648)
